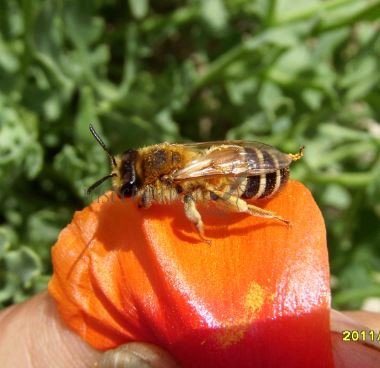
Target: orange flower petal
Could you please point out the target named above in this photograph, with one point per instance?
(258, 296)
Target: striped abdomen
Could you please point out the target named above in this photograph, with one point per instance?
(268, 183)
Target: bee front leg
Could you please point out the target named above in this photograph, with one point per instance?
(193, 215)
(145, 199)
(240, 205)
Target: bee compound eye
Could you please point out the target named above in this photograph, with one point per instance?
(128, 190)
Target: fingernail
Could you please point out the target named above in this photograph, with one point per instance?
(136, 355)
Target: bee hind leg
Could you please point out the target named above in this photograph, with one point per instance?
(194, 216)
(240, 205)
(259, 212)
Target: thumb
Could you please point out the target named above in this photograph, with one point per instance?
(32, 335)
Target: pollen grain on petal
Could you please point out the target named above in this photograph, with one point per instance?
(255, 298)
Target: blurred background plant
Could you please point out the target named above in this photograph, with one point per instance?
(286, 72)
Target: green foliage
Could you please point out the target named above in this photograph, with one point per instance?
(285, 72)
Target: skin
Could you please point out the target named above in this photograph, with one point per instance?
(32, 335)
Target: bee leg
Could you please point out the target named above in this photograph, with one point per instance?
(240, 205)
(259, 212)
(145, 200)
(193, 215)
(298, 155)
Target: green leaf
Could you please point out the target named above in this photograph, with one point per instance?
(23, 263)
(18, 145)
(7, 237)
(336, 197)
(271, 98)
(139, 8)
(296, 60)
(86, 116)
(214, 14)
(312, 98)
(8, 59)
(78, 20)
(44, 226)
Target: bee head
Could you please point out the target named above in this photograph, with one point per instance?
(127, 174)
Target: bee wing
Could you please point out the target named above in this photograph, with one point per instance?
(232, 158)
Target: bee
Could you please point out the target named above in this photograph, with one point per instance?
(228, 172)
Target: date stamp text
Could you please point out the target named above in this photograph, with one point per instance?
(361, 335)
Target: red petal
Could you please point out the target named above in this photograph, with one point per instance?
(258, 296)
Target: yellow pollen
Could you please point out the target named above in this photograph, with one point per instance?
(253, 303)
(255, 298)
(298, 155)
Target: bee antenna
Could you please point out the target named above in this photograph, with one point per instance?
(100, 181)
(103, 145)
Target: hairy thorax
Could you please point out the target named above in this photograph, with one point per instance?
(157, 162)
